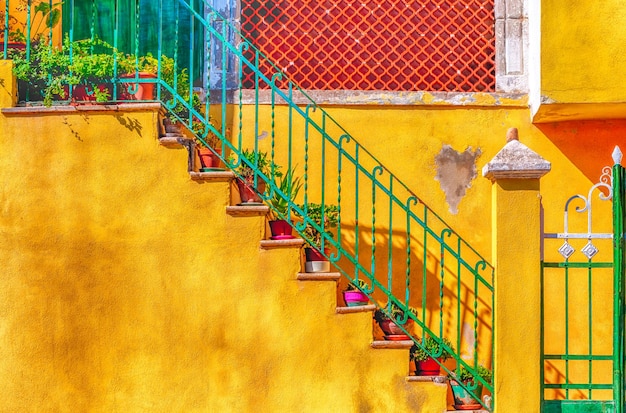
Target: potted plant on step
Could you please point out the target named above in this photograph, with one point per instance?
(353, 294)
(424, 356)
(288, 186)
(137, 69)
(209, 156)
(324, 217)
(386, 319)
(463, 399)
(249, 182)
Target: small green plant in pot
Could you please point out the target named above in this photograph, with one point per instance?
(93, 63)
(208, 155)
(288, 185)
(45, 75)
(463, 398)
(137, 69)
(325, 217)
(249, 182)
(386, 319)
(353, 294)
(424, 357)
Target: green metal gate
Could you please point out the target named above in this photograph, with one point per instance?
(582, 304)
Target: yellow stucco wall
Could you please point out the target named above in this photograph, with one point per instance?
(126, 287)
(581, 60)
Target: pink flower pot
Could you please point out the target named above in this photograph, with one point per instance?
(355, 298)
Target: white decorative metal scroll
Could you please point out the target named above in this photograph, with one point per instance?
(589, 250)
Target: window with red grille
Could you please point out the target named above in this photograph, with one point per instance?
(393, 45)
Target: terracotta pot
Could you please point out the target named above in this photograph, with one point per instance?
(144, 90)
(393, 332)
(281, 229)
(12, 46)
(208, 159)
(248, 194)
(463, 400)
(174, 128)
(428, 367)
(355, 298)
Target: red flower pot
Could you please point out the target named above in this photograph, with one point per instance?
(355, 298)
(208, 159)
(144, 90)
(428, 367)
(84, 93)
(281, 229)
(248, 194)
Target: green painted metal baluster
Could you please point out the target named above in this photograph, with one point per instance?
(323, 198)
(7, 4)
(475, 321)
(618, 279)
(410, 200)
(373, 258)
(566, 330)
(590, 330)
(357, 234)
(390, 240)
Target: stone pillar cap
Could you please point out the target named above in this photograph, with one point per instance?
(516, 161)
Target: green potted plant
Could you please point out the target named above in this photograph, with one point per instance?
(386, 319)
(250, 191)
(323, 216)
(289, 185)
(45, 75)
(139, 68)
(353, 294)
(93, 64)
(208, 155)
(424, 356)
(463, 398)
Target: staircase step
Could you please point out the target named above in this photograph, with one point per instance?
(356, 309)
(246, 211)
(426, 379)
(318, 276)
(390, 344)
(281, 243)
(214, 176)
(177, 141)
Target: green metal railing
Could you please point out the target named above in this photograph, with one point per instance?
(385, 235)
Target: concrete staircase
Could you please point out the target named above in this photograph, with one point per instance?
(425, 394)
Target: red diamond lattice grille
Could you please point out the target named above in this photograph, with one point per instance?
(394, 45)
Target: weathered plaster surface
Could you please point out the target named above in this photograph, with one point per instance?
(455, 172)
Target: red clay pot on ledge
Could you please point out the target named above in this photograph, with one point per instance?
(247, 193)
(281, 229)
(428, 367)
(208, 160)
